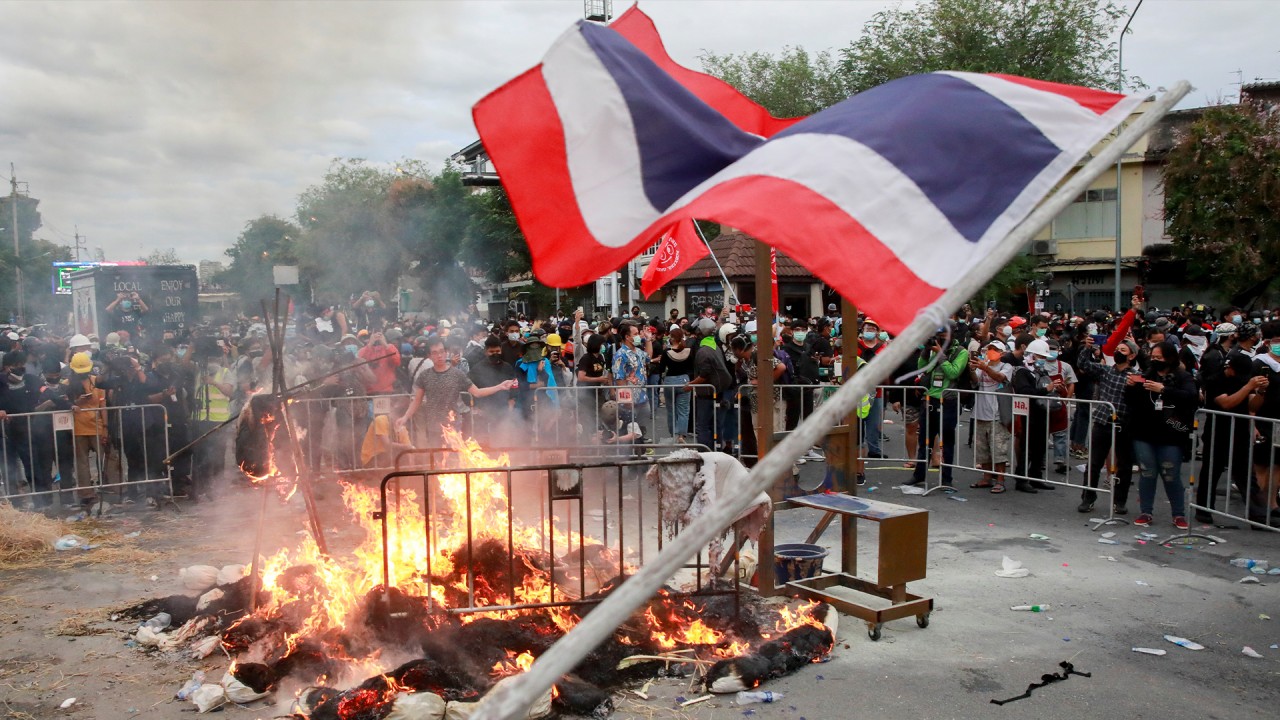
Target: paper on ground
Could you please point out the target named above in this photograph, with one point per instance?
(1011, 569)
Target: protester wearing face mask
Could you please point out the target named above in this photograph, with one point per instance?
(675, 366)
(870, 345)
(1226, 439)
(1194, 344)
(944, 363)
(1162, 405)
(436, 391)
(512, 342)
(1110, 383)
(1033, 379)
(491, 371)
(804, 371)
(89, 426)
(127, 311)
(993, 430)
(1265, 405)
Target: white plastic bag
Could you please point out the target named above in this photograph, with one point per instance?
(1012, 569)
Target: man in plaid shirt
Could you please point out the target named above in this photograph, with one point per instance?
(1109, 388)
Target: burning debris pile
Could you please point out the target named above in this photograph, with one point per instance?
(328, 633)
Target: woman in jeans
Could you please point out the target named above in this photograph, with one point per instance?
(675, 365)
(1162, 406)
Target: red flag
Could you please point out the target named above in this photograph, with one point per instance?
(773, 277)
(679, 250)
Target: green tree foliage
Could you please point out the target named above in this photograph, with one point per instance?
(1066, 41)
(1222, 196)
(264, 242)
(791, 84)
(495, 246)
(35, 258)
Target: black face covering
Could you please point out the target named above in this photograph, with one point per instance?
(495, 359)
(1159, 365)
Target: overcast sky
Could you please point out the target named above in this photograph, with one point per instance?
(170, 125)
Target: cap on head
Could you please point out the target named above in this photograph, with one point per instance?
(1225, 328)
(997, 345)
(78, 340)
(1017, 321)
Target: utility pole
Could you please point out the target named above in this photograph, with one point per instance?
(17, 251)
(1120, 160)
(80, 243)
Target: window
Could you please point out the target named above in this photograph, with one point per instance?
(1091, 215)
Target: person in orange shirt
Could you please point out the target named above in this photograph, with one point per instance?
(384, 369)
(89, 431)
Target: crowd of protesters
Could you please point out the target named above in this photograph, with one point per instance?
(684, 379)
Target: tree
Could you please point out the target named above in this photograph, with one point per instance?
(265, 241)
(1222, 196)
(428, 217)
(792, 84)
(165, 256)
(1066, 41)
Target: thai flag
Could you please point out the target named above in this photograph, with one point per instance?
(889, 196)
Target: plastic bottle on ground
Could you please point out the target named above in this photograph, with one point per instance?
(747, 697)
(197, 679)
(1032, 608)
(159, 622)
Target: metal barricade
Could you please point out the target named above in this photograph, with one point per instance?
(50, 459)
(570, 416)
(792, 404)
(581, 524)
(1247, 450)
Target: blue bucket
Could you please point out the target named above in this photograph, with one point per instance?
(797, 561)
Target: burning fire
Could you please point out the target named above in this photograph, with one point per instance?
(312, 602)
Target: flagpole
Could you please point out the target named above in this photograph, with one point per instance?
(728, 288)
(512, 698)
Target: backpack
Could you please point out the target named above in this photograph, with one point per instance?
(788, 375)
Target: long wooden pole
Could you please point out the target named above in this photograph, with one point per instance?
(765, 579)
(512, 700)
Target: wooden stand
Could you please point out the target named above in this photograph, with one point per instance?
(903, 551)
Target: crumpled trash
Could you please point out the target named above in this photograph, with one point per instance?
(230, 574)
(197, 679)
(204, 647)
(72, 542)
(1038, 536)
(72, 701)
(210, 697)
(1250, 652)
(208, 598)
(1108, 535)
(1107, 541)
(1183, 642)
(199, 578)
(1149, 651)
(413, 706)
(147, 637)
(158, 622)
(1011, 569)
(912, 490)
(1250, 579)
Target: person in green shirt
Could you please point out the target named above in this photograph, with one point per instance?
(940, 411)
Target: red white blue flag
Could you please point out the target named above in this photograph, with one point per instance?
(889, 197)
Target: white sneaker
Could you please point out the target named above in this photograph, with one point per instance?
(813, 455)
(801, 461)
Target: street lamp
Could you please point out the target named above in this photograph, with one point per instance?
(1120, 160)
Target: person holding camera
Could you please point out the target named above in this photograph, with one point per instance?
(1162, 404)
(127, 311)
(940, 410)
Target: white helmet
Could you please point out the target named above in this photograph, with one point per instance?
(726, 331)
(750, 327)
(705, 326)
(1038, 347)
(78, 340)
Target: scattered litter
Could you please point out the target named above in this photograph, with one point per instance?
(199, 578)
(1275, 646)
(1081, 467)
(957, 498)
(873, 488)
(1247, 651)
(1108, 535)
(911, 490)
(1149, 651)
(134, 534)
(1258, 570)
(1038, 536)
(1143, 583)
(1248, 562)
(1011, 569)
(159, 622)
(1065, 565)
(1250, 579)
(78, 517)
(155, 578)
(197, 679)
(1146, 536)
(1142, 542)
(1108, 558)
(72, 701)
(1032, 608)
(747, 697)
(1183, 642)
(695, 701)
(1274, 571)
(71, 542)
(1107, 541)
(1264, 616)
(205, 646)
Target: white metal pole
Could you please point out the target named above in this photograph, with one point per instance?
(513, 699)
(1119, 193)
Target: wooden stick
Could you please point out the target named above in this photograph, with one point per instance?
(513, 699)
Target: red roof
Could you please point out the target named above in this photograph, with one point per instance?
(736, 252)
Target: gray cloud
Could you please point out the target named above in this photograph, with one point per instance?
(156, 125)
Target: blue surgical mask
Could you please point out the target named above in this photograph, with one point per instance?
(126, 304)
(180, 352)
(1275, 349)
(868, 335)
(1236, 319)
(753, 337)
(800, 335)
(369, 303)
(884, 337)
(1040, 332)
(1040, 363)
(1053, 356)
